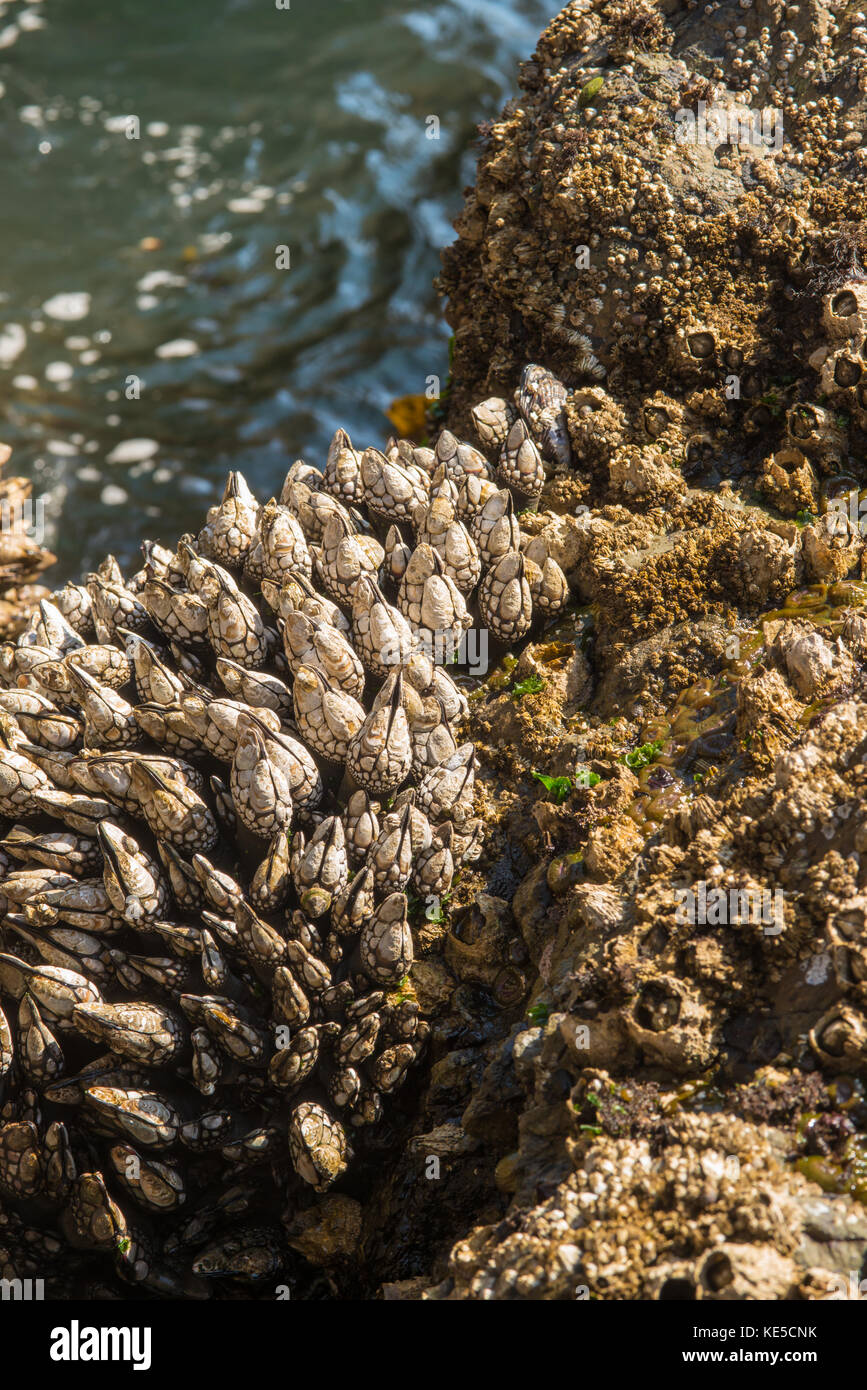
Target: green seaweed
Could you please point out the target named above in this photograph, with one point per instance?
(639, 757)
(585, 778)
(559, 787)
(530, 686)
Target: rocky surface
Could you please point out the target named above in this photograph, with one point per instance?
(673, 1107)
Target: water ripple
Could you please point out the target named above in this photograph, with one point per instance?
(157, 157)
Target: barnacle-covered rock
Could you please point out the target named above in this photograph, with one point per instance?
(832, 547)
(643, 473)
(303, 1022)
(844, 311)
(789, 481)
(769, 566)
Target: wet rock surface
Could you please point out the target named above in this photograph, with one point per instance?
(682, 1109)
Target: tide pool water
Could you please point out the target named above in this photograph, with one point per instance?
(221, 225)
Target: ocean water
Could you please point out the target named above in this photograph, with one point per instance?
(221, 222)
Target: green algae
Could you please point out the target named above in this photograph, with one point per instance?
(559, 787)
(589, 91)
(531, 685)
(846, 1173)
(641, 756)
(565, 872)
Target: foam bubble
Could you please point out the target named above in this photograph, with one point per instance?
(68, 307)
(57, 372)
(178, 347)
(112, 496)
(12, 342)
(133, 451)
